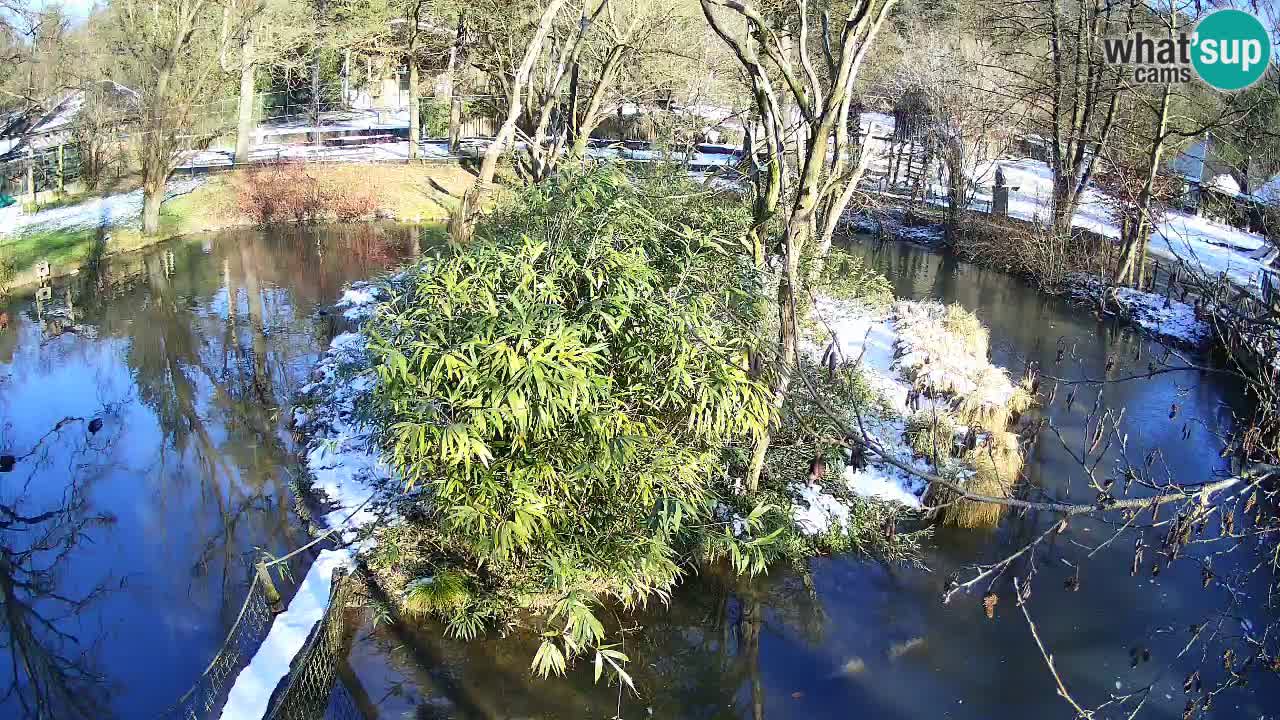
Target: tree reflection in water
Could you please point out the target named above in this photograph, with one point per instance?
(200, 345)
(47, 670)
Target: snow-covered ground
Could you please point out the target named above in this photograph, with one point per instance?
(871, 338)
(357, 153)
(1165, 318)
(1205, 245)
(346, 469)
(891, 347)
(111, 211)
(340, 120)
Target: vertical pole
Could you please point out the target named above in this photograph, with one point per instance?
(62, 183)
(31, 175)
(268, 586)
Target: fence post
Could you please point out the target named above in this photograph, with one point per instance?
(31, 175)
(62, 184)
(268, 586)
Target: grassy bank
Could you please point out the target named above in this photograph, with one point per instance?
(410, 193)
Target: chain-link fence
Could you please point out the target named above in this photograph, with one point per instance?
(49, 169)
(210, 689)
(312, 690)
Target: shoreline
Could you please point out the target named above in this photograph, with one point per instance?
(1163, 319)
(66, 236)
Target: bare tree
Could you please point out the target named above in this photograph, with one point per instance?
(793, 43)
(515, 81)
(495, 34)
(270, 32)
(1051, 52)
(170, 51)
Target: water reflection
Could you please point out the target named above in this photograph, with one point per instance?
(48, 670)
(185, 358)
(857, 639)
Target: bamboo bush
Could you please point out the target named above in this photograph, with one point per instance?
(569, 388)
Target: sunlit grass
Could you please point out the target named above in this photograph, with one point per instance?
(408, 192)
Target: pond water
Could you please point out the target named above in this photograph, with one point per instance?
(145, 405)
(124, 545)
(857, 639)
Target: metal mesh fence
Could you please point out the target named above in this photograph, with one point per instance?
(311, 690)
(45, 169)
(210, 689)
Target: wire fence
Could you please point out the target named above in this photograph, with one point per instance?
(312, 690)
(50, 169)
(209, 691)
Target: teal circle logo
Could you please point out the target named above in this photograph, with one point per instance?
(1231, 49)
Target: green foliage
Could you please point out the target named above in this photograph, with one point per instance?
(931, 435)
(440, 594)
(568, 387)
(433, 117)
(845, 276)
(7, 271)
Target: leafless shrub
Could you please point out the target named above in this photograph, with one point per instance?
(1032, 251)
(291, 193)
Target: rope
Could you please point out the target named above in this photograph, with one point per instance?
(326, 534)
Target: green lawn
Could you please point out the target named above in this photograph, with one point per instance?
(59, 247)
(68, 248)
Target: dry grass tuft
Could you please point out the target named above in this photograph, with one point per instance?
(966, 327)
(931, 435)
(994, 402)
(997, 464)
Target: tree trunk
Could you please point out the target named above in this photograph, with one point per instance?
(315, 88)
(152, 197)
(455, 124)
(1135, 244)
(584, 126)
(788, 338)
(244, 119)
(515, 96)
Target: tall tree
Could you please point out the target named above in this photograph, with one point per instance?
(170, 51)
(1052, 56)
(791, 43)
(522, 52)
(271, 31)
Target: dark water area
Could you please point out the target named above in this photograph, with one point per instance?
(144, 406)
(858, 639)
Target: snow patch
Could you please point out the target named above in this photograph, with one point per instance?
(124, 209)
(1205, 246)
(891, 346)
(1163, 317)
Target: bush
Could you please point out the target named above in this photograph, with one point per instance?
(288, 192)
(1029, 250)
(568, 387)
(433, 118)
(846, 276)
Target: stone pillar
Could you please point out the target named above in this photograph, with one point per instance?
(1000, 194)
